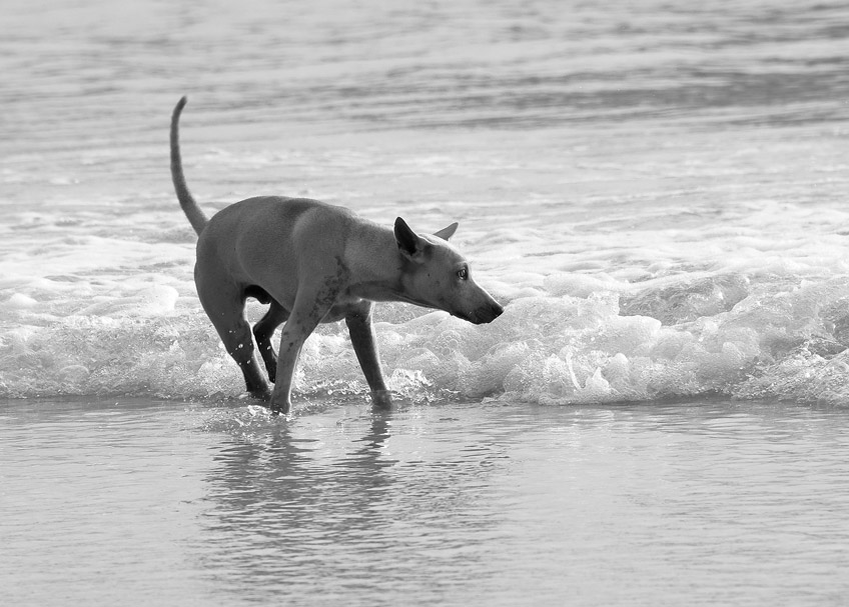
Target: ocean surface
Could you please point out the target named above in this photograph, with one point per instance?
(657, 192)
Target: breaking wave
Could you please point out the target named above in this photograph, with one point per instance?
(567, 343)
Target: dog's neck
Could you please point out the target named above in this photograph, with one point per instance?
(374, 263)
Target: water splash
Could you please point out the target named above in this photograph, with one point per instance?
(774, 341)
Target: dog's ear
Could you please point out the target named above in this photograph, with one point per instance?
(448, 232)
(408, 241)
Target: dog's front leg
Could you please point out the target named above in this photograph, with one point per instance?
(365, 346)
(304, 318)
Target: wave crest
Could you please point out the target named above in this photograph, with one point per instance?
(719, 335)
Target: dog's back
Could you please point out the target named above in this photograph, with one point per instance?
(235, 241)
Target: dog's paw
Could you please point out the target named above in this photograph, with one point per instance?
(381, 399)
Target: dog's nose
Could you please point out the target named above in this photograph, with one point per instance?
(488, 313)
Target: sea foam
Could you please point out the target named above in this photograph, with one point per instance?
(715, 335)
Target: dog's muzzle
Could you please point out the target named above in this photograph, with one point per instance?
(486, 313)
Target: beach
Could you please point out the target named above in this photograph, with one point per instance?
(656, 194)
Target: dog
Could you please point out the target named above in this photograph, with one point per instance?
(315, 263)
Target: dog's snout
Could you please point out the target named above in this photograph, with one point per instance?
(487, 313)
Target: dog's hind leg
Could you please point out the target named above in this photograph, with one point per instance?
(263, 330)
(226, 310)
(365, 347)
(239, 343)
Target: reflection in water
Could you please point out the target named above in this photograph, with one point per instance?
(333, 500)
(451, 504)
(458, 504)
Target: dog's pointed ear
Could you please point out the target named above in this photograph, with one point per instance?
(447, 232)
(408, 241)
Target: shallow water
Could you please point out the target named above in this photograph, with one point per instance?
(656, 193)
(143, 502)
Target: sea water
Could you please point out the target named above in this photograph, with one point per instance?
(138, 502)
(655, 192)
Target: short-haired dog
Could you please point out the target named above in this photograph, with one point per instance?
(314, 262)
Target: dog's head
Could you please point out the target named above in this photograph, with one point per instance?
(434, 274)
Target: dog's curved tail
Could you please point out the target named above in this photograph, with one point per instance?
(190, 207)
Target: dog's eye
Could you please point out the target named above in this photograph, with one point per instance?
(463, 273)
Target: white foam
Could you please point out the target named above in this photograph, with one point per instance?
(549, 349)
(19, 300)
